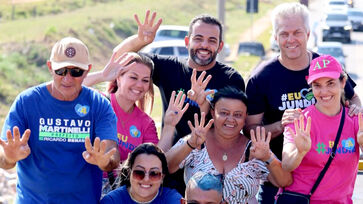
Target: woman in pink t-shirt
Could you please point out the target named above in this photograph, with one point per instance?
(131, 93)
(306, 149)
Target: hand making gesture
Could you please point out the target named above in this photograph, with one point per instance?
(289, 116)
(260, 144)
(16, 148)
(302, 137)
(146, 31)
(199, 131)
(97, 154)
(175, 109)
(197, 92)
(115, 67)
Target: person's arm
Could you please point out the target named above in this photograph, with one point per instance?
(197, 91)
(103, 154)
(14, 149)
(197, 137)
(260, 150)
(293, 153)
(360, 131)
(354, 105)
(177, 154)
(172, 116)
(276, 128)
(145, 35)
(252, 121)
(278, 176)
(114, 68)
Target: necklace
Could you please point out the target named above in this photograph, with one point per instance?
(146, 202)
(224, 157)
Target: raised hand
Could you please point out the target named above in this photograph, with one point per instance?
(197, 92)
(353, 109)
(289, 116)
(16, 148)
(115, 67)
(146, 31)
(175, 109)
(97, 154)
(302, 135)
(199, 131)
(260, 144)
(360, 131)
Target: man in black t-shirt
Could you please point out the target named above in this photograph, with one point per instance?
(278, 87)
(204, 42)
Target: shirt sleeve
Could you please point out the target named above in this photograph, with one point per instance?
(173, 197)
(151, 134)
(255, 96)
(15, 117)
(105, 124)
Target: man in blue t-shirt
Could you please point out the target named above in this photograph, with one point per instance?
(68, 133)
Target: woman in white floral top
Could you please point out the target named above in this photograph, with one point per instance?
(223, 150)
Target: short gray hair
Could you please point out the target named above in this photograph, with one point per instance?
(286, 10)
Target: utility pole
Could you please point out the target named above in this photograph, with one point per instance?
(221, 16)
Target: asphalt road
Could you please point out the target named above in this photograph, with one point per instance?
(354, 68)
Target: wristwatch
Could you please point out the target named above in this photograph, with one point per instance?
(269, 161)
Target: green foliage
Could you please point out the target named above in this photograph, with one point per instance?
(125, 27)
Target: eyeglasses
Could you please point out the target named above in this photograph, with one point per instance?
(74, 72)
(140, 175)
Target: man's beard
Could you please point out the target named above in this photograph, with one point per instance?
(201, 62)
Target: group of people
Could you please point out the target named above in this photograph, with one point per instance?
(73, 144)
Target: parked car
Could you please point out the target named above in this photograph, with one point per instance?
(251, 48)
(336, 26)
(355, 16)
(334, 49)
(274, 46)
(171, 32)
(167, 47)
(337, 6)
(176, 32)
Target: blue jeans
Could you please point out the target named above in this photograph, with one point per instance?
(266, 194)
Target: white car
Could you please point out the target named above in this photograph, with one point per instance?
(337, 5)
(334, 49)
(167, 47)
(176, 32)
(171, 32)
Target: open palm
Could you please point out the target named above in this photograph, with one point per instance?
(302, 135)
(147, 30)
(16, 148)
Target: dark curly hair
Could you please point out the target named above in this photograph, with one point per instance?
(145, 148)
(229, 92)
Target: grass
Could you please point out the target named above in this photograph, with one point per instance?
(101, 26)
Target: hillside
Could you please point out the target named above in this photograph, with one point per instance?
(28, 33)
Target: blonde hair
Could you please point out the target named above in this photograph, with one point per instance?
(146, 103)
(287, 10)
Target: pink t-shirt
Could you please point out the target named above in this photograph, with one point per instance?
(133, 129)
(338, 182)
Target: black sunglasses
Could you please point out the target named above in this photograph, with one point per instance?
(74, 72)
(140, 175)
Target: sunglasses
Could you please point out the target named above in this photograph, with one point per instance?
(140, 175)
(74, 72)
